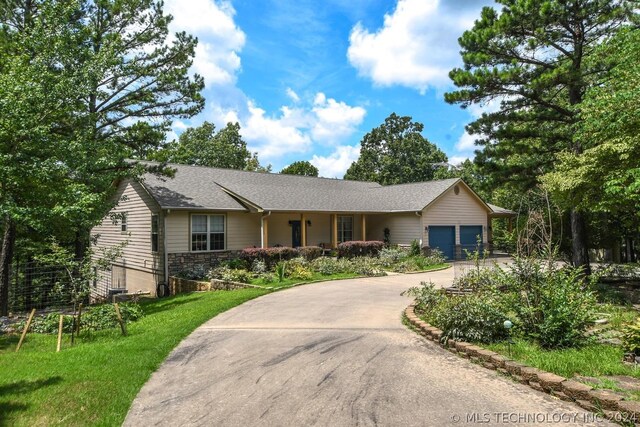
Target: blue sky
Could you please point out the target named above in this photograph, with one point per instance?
(306, 79)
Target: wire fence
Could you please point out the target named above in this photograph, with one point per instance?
(48, 287)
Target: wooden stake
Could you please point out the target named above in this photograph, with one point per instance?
(26, 328)
(123, 327)
(60, 325)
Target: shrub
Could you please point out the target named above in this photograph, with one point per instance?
(95, 318)
(631, 338)
(270, 256)
(553, 306)
(258, 266)
(299, 272)
(229, 274)
(104, 316)
(475, 318)
(358, 248)
(328, 266)
(391, 256)
(281, 269)
(310, 252)
(435, 257)
(415, 249)
(366, 266)
(195, 272)
(427, 296)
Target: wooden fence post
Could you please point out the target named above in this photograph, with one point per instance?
(123, 327)
(60, 326)
(26, 328)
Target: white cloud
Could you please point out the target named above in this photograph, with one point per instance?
(334, 120)
(336, 164)
(295, 129)
(458, 160)
(275, 136)
(220, 39)
(292, 95)
(417, 44)
(466, 142)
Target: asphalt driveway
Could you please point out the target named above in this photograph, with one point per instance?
(332, 354)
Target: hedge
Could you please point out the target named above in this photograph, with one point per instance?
(359, 248)
(310, 252)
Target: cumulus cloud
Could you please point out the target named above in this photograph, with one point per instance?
(334, 120)
(336, 164)
(417, 44)
(295, 129)
(220, 39)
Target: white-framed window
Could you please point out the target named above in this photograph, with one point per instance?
(154, 233)
(123, 223)
(207, 232)
(345, 228)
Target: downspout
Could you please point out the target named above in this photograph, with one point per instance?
(262, 228)
(419, 215)
(164, 247)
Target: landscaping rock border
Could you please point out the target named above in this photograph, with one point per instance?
(607, 403)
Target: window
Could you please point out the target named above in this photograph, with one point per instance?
(123, 223)
(345, 228)
(154, 233)
(207, 232)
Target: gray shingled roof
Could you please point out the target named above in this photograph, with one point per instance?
(500, 211)
(196, 187)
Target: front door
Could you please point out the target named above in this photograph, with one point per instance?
(296, 234)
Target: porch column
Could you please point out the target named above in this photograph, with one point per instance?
(334, 231)
(303, 229)
(364, 227)
(510, 225)
(265, 232)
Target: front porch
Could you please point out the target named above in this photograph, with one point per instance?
(326, 230)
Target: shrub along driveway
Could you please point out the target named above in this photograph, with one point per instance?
(336, 354)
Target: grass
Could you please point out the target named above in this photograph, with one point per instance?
(593, 360)
(294, 281)
(95, 381)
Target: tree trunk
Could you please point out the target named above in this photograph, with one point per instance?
(80, 244)
(580, 256)
(6, 256)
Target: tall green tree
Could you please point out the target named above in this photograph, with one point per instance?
(303, 168)
(203, 146)
(84, 86)
(396, 153)
(532, 58)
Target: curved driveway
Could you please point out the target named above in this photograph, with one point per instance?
(331, 354)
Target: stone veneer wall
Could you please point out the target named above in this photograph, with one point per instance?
(180, 261)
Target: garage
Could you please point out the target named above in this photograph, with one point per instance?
(469, 238)
(443, 238)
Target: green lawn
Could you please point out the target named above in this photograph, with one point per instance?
(293, 281)
(94, 382)
(592, 360)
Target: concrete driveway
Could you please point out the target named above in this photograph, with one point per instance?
(332, 354)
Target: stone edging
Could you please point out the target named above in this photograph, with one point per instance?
(600, 401)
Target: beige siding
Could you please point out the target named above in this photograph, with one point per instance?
(177, 231)
(280, 231)
(455, 209)
(243, 230)
(403, 227)
(136, 255)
